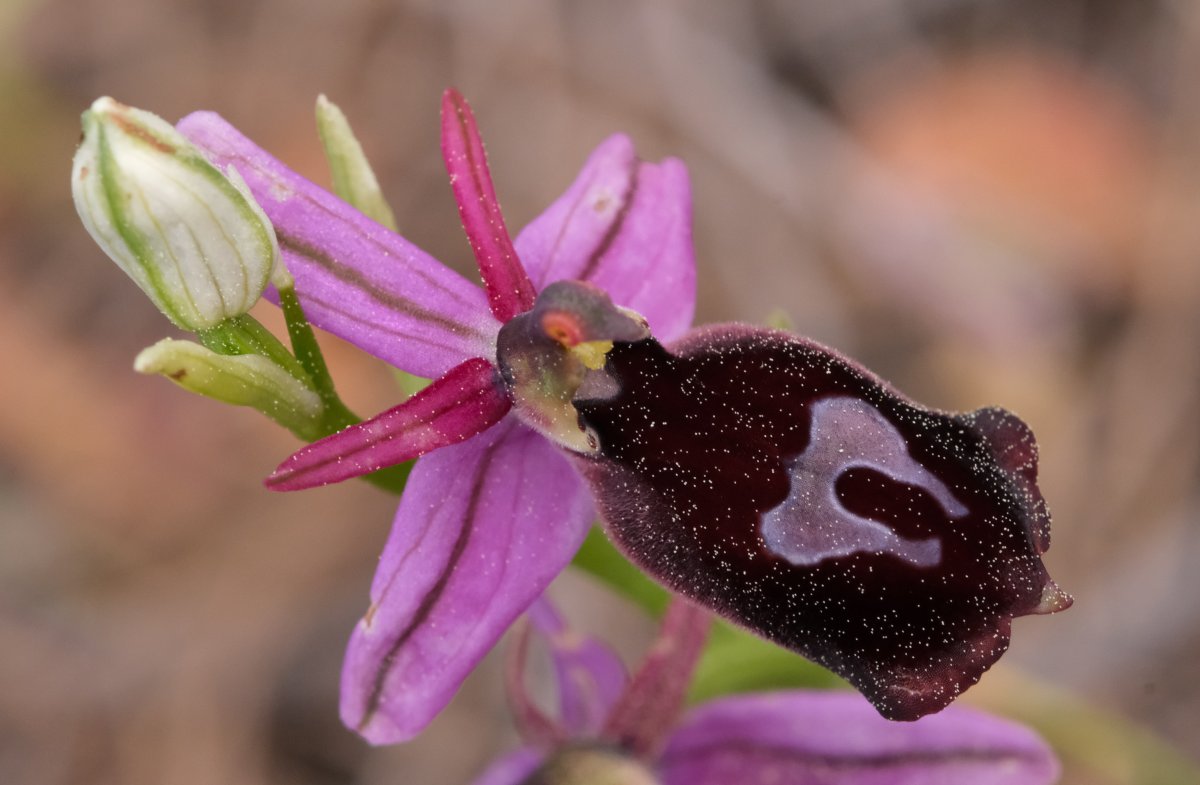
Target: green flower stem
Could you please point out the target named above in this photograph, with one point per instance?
(308, 354)
(244, 334)
(336, 415)
(354, 181)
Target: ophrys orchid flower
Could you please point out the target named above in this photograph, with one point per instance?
(755, 472)
(633, 730)
(485, 525)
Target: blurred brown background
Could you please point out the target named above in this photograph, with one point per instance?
(988, 203)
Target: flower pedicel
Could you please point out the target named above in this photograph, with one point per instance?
(750, 470)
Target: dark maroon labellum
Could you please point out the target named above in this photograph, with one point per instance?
(795, 493)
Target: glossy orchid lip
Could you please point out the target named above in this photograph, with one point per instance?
(792, 491)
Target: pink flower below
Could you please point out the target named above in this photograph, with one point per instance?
(789, 737)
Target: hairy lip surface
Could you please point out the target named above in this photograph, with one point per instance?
(698, 446)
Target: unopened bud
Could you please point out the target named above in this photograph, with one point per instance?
(587, 765)
(244, 380)
(189, 235)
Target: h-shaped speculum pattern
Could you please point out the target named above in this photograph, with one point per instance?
(813, 524)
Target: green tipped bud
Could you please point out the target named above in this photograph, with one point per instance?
(243, 380)
(190, 236)
(353, 178)
(584, 765)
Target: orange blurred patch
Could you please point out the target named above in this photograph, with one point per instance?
(1022, 139)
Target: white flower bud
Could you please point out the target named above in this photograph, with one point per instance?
(190, 236)
(592, 765)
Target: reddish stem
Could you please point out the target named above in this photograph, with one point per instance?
(647, 711)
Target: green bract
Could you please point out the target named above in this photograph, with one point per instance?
(353, 178)
(242, 380)
(190, 236)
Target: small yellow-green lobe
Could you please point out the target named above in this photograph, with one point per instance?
(353, 178)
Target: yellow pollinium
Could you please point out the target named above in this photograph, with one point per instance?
(592, 353)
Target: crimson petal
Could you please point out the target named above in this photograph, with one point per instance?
(508, 287)
(795, 493)
(464, 402)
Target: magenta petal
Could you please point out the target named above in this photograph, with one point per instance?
(626, 226)
(355, 278)
(482, 529)
(834, 738)
(508, 287)
(589, 674)
(464, 402)
(513, 769)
